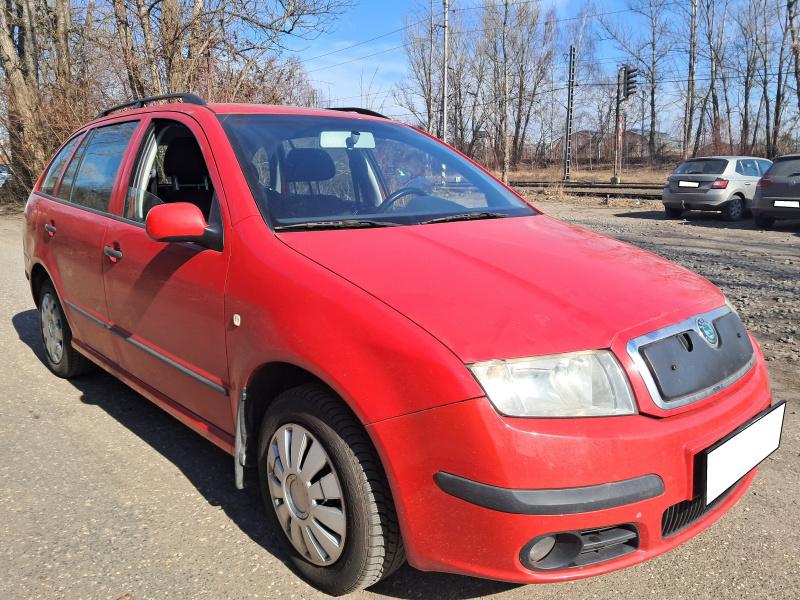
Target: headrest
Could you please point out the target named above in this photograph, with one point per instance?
(309, 164)
(184, 160)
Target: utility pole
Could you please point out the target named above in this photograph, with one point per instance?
(504, 103)
(444, 74)
(429, 96)
(568, 130)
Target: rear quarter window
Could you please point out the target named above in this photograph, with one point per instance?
(98, 168)
(54, 171)
(702, 166)
(788, 167)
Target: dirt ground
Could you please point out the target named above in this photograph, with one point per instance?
(102, 494)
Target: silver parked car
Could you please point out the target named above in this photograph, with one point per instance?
(722, 183)
(5, 175)
(778, 192)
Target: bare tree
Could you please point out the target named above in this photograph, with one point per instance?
(61, 62)
(649, 49)
(688, 115)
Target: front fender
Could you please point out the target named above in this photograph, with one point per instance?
(293, 310)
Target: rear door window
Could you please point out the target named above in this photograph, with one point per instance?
(747, 167)
(99, 165)
(54, 172)
(702, 166)
(789, 167)
(765, 165)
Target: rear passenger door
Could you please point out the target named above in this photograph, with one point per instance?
(748, 175)
(74, 223)
(168, 298)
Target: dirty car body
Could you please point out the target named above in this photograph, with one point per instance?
(544, 403)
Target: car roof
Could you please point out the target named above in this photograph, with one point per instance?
(243, 109)
(727, 157)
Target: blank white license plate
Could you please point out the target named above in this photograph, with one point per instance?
(688, 184)
(788, 203)
(737, 454)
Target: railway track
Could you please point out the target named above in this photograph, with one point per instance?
(639, 191)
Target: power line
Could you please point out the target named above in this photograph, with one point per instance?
(352, 60)
(462, 32)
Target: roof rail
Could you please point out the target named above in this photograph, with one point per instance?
(361, 111)
(140, 102)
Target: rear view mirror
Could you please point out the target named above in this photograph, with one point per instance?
(346, 139)
(181, 222)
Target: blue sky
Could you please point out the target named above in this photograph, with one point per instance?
(379, 73)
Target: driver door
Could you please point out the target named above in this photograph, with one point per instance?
(168, 298)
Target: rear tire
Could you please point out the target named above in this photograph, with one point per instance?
(764, 221)
(59, 355)
(673, 212)
(734, 209)
(364, 543)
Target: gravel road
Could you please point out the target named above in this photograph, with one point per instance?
(102, 494)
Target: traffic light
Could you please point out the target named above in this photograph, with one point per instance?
(629, 81)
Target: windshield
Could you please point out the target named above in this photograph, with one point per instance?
(313, 172)
(702, 166)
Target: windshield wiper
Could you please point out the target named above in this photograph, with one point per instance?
(337, 224)
(469, 216)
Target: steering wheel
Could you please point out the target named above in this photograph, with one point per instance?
(394, 197)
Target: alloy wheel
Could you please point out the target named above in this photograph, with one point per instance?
(306, 494)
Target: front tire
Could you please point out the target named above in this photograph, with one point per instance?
(59, 355)
(324, 488)
(734, 209)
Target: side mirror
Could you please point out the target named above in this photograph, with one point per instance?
(181, 222)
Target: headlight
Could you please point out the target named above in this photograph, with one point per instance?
(579, 384)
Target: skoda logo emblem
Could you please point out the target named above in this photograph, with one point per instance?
(708, 332)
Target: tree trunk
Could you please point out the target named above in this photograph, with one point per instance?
(63, 23)
(504, 113)
(791, 11)
(126, 46)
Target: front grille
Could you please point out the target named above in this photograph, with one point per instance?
(679, 516)
(600, 545)
(693, 359)
(684, 363)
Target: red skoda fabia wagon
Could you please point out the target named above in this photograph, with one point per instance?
(417, 364)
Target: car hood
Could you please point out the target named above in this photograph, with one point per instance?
(512, 287)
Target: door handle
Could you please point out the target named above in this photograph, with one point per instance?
(112, 253)
(50, 229)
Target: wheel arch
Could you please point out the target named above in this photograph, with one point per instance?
(265, 384)
(39, 275)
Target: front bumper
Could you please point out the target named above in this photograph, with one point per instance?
(469, 440)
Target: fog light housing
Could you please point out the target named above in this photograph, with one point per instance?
(541, 548)
(553, 551)
(571, 549)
